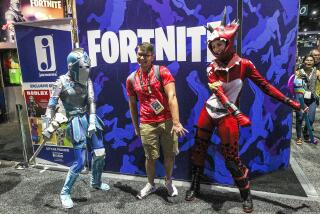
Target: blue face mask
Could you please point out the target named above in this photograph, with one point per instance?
(79, 65)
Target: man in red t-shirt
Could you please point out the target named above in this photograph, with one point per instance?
(159, 115)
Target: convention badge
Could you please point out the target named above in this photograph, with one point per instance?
(307, 95)
(156, 106)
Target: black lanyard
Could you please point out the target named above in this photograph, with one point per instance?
(148, 79)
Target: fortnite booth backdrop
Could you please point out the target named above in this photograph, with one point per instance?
(110, 31)
(269, 40)
(43, 47)
(33, 10)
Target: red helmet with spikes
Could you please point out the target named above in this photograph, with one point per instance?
(223, 32)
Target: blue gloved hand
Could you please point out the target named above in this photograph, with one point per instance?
(92, 125)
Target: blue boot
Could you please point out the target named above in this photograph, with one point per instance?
(97, 168)
(66, 190)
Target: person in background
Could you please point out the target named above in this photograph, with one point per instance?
(154, 87)
(299, 90)
(315, 53)
(305, 84)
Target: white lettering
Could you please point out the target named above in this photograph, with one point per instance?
(46, 3)
(128, 44)
(195, 33)
(93, 47)
(170, 44)
(166, 44)
(181, 44)
(110, 47)
(36, 93)
(145, 34)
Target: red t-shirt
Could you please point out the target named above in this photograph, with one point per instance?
(147, 115)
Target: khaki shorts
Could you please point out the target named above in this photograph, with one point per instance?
(155, 134)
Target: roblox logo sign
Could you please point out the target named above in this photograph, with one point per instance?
(45, 54)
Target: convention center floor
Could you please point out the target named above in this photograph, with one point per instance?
(33, 190)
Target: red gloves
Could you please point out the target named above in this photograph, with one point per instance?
(293, 104)
(243, 120)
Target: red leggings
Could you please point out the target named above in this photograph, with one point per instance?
(228, 131)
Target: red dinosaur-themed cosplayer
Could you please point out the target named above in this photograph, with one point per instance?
(226, 75)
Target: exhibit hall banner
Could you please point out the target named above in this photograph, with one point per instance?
(30, 10)
(110, 32)
(43, 47)
(36, 10)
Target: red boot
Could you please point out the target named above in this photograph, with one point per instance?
(247, 203)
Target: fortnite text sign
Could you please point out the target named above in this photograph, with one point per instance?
(110, 31)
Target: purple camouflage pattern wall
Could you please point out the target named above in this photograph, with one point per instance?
(109, 30)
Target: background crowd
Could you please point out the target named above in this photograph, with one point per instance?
(307, 92)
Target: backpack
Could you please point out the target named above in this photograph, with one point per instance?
(156, 73)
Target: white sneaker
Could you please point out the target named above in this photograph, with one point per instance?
(172, 190)
(147, 190)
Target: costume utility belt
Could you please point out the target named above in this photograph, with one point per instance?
(77, 112)
(218, 110)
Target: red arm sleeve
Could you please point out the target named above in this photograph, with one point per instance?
(252, 73)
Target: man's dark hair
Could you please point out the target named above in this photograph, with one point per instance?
(146, 47)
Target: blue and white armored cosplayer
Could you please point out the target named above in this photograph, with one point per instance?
(75, 90)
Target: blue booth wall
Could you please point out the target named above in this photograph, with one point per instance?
(268, 39)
